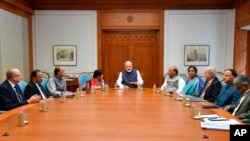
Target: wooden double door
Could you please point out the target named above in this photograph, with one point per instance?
(140, 47)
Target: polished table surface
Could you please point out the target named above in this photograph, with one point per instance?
(116, 115)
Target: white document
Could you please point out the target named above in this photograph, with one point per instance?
(209, 116)
(219, 125)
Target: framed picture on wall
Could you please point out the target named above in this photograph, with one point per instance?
(64, 55)
(197, 55)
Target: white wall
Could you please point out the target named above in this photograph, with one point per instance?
(65, 28)
(182, 27)
(13, 44)
(199, 27)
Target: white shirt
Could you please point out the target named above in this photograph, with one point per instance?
(42, 94)
(119, 80)
(181, 84)
(241, 100)
(13, 86)
(205, 88)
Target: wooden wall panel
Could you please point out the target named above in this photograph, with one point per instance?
(132, 4)
(131, 19)
(243, 14)
(240, 52)
(248, 55)
(242, 43)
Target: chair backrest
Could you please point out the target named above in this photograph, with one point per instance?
(22, 84)
(83, 78)
(44, 84)
(91, 73)
(184, 76)
(46, 75)
(220, 76)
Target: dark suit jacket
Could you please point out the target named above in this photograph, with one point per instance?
(213, 90)
(244, 109)
(31, 89)
(8, 98)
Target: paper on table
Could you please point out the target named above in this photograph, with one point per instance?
(209, 116)
(220, 125)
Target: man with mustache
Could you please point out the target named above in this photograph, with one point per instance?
(129, 77)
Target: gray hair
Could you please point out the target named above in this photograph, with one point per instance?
(212, 71)
(242, 79)
(10, 73)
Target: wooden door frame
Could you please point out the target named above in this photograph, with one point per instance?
(159, 28)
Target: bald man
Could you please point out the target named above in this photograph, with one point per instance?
(212, 86)
(129, 77)
(11, 95)
(173, 81)
(57, 83)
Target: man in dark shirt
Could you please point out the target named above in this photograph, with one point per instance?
(229, 95)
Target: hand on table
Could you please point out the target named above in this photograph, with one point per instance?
(34, 99)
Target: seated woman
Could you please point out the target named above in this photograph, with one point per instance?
(194, 84)
(97, 79)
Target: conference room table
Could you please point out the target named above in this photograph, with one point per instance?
(114, 115)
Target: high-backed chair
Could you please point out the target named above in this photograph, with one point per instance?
(44, 85)
(22, 84)
(220, 76)
(184, 76)
(83, 78)
(46, 75)
(91, 73)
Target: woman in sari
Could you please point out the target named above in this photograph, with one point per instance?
(194, 83)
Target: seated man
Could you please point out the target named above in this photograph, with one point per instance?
(57, 83)
(34, 87)
(212, 86)
(242, 108)
(229, 95)
(173, 81)
(11, 95)
(130, 77)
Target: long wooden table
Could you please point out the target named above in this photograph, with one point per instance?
(116, 115)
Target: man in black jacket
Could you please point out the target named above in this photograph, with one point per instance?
(11, 95)
(34, 86)
(212, 86)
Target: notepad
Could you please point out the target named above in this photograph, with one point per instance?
(218, 125)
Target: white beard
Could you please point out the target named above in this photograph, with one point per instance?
(129, 70)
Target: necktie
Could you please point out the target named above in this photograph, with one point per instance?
(18, 94)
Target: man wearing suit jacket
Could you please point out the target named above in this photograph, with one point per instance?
(212, 86)
(242, 108)
(11, 95)
(34, 86)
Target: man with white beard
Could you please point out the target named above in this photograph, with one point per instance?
(129, 77)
